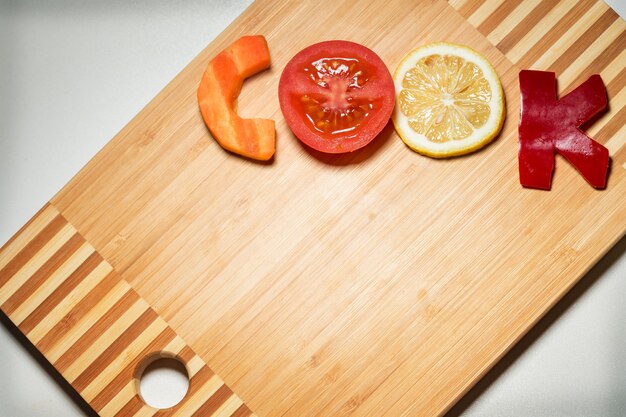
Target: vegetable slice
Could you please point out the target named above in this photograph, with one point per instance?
(449, 100)
(336, 96)
(217, 96)
(548, 125)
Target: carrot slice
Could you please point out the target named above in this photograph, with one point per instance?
(217, 96)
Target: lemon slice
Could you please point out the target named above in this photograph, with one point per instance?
(449, 100)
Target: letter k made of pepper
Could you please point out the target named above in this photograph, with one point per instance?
(548, 125)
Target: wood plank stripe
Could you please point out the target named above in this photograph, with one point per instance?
(204, 384)
(42, 274)
(605, 49)
(121, 343)
(80, 290)
(545, 35)
(14, 264)
(511, 21)
(97, 339)
(214, 403)
(59, 293)
(54, 290)
(498, 15)
(618, 138)
(104, 376)
(584, 41)
(79, 311)
(186, 354)
(98, 318)
(26, 234)
(132, 407)
(43, 242)
(146, 411)
(242, 411)
(121, 398)
(197, 399)
(470, 7)
(483, 12)
(615, 74)
(195, 365)
(229, 406)
(127, 373)
(569, 36)
(36, 262)
(457, 4)
(513, 37)
(176, 346)
(620, 155)
(598, 124)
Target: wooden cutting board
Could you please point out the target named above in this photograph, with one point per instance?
(375, 283)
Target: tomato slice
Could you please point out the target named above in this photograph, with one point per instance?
(336, 96)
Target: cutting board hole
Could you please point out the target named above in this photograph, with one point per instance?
(163, 382)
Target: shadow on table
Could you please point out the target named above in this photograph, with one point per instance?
(50, 370)
(539, 329)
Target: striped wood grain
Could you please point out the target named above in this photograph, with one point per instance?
(93, 327)
(573, 38)
(378, 283)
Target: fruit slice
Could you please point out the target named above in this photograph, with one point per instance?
(449, 100)
(217, 96)
(336, 96)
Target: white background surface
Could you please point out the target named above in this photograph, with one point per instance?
(74, 72)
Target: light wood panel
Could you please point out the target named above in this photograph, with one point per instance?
(369, 284)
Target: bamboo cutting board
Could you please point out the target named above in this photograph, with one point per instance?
(369, 284)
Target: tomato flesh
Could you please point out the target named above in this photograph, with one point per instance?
(336, 96)
(335, 110)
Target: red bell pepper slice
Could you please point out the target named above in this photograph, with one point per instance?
(548, 125)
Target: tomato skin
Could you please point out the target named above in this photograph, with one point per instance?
(362, 98)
